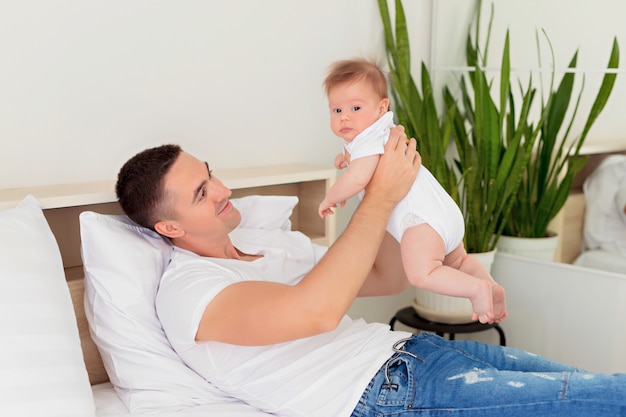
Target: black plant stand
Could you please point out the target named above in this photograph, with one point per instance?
(409, 317)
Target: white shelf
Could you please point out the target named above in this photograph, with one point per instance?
(273, 175)
(62, 195)
(308, 182)
(96, 192)
(601, 147)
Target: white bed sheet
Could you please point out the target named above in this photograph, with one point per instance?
(603, 260)
(108, 404)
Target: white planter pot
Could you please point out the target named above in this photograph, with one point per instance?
(443, 308)
(537, 247)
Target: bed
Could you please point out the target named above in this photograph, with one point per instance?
(604, 231)
(571, 222)
(50, 364)
(108, 404)
(56, 309)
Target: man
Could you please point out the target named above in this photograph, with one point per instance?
(261, 314)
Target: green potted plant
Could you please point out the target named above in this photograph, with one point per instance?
(493, 142)
(550, 172)
(493, 145)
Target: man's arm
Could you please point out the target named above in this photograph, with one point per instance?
(387, 277)
(255, 312)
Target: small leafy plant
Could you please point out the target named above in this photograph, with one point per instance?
(549, 175)
(493, 142)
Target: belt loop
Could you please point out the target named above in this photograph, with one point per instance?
(398, 349)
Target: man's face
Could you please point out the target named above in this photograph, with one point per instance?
(199, 201)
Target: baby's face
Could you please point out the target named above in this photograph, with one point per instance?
(353, 107)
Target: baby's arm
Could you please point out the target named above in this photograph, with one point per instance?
(349, 183)
(340, 161)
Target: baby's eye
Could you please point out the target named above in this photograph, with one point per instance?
(356, 108)
(336, 111)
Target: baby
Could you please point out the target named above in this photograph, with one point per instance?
(427, 223)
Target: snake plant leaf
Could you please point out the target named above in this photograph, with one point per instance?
(505, 76)
(403, 63)
(604, 92)
(559, 102)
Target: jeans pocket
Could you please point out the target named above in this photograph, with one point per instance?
(398, 387)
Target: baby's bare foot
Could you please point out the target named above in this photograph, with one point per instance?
(483, 303)
(499, 303)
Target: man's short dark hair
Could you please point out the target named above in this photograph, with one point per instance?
(140, 189)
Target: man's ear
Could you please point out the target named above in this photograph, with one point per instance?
(169, 229)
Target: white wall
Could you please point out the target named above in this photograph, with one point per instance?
(83, 85)
(86, 84)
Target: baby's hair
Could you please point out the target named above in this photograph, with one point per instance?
(351, 70)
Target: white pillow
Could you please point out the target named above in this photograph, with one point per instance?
(605, 197)
(267, 212)
(42, 372)
(123, 265)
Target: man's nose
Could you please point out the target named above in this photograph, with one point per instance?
(224, 192)
(219, 191)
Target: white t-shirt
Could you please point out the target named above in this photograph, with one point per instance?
(323, 375)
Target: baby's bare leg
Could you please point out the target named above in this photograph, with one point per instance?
(469, 264)
(461, 260)
(423, 252)
(427, 267)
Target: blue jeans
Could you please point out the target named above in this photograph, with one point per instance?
(433, 376)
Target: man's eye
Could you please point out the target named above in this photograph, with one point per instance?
(356, 108)
(210, 174)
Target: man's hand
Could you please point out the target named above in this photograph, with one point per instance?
(396, 169)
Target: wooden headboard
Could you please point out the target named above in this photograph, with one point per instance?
(63, 204)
